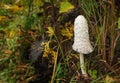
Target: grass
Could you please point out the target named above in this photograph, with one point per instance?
(19, 28)
(103, 24)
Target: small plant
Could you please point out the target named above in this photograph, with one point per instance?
(93, 74)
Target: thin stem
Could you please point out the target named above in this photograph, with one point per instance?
(54, 69)
(60, 48)
(82, 64)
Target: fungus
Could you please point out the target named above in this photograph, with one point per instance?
(81, 43)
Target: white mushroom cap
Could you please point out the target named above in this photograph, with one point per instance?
(81, 36)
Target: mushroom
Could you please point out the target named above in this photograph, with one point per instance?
(81, 43)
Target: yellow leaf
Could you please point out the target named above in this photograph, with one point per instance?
(13, 8)
(108, 79)
(47, 49)
(6, 6)
(65, 6)
(16, 8)
(2, 18)
(50, 31)
(67, 32)
(10, 33)
(54, 54)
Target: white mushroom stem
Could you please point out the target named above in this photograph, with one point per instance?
(82, 65)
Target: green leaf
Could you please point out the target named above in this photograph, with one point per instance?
(93, 73)
(65, 6)
(119, 23)
(1, 28)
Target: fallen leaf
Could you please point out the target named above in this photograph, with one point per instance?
(13, 8)
(50, 31)
(65, 6)
(108, 79)
(8, 51)
(2, 18)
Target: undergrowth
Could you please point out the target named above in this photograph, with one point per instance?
(36, 38)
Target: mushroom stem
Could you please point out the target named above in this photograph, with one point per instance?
(82, 64)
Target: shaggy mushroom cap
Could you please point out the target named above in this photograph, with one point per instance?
(81, 36)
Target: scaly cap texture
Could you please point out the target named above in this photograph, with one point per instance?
(81, 36)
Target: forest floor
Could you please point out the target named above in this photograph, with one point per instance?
(36, 38)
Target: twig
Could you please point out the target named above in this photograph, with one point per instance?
(54, 69)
